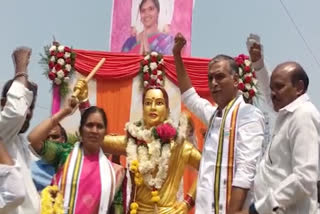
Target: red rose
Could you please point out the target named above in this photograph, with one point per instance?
(252, 93)
(247, 69)
(239, 60)
(243, 56)
(65, 73)
(152, 82)
(154, 59)
(52, 75)
(160, 66)
(160, 77)
(166, 132)
(67, 49)
(68, 60)
(57, 67)
(53, 53)
(145, 62)
(146, 77)
(60, 55)
(241, 86)
(51, 64)
(254, 74)
(155, 72)
(247, 79)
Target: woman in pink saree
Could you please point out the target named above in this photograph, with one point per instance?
(87, 180)
(150, 39)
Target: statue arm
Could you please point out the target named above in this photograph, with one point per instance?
(194, 162)
(115, 144)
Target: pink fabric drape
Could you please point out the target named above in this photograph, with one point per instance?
(126, 65)
(55, 99)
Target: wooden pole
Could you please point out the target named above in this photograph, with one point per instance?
(91, 74)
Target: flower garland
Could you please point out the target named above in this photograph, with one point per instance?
(59, 65)
(247, 77)
(152, 70)
(150, 149)
(51, 201)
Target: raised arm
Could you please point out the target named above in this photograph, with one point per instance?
(255, 49)
(40, 133)
(202, 108)
(16, 97)
(184, 81)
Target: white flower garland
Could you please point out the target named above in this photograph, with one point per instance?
(152, 154)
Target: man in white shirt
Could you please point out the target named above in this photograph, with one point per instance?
(12, 190)
(17, 103)
(286, 179)
(234, 137)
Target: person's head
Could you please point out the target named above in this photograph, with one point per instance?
(149, 13)
(155, 106)
(93, 126)
(288, 82)
(58, 134)
(223, 79)
(34, 89)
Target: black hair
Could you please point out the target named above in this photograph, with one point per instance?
(232, 63)
(31, 86)
(155, 2)
(88, 112)
(300, 74)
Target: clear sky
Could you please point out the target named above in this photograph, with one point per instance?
(218, 27)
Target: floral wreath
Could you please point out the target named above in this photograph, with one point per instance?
(247, 77)
(59, 65)
(51, 200)
(149, 149)
(152, 70)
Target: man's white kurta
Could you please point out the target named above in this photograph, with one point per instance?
(12, 117)
(248, 142)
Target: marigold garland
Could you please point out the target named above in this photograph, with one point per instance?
(51, 200)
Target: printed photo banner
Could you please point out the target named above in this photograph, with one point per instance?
(140, 26)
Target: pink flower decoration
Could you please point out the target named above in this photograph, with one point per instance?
(166, 132)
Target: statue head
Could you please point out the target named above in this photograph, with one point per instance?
(155, 106)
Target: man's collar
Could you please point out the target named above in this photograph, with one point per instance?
(291, 107)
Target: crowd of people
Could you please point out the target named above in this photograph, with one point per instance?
(234, 175)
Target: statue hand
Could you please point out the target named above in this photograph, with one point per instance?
(181, 207)
(179, 43)
(82, 86)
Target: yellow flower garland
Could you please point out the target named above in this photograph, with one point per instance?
(51, 200)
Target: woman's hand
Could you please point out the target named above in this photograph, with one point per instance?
(70, 106)
(144, 44)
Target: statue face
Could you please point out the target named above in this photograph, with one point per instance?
(154, 108)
